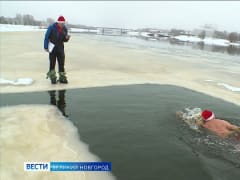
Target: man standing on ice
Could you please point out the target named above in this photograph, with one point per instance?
(54, 40)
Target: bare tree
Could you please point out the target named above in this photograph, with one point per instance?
(220, 34)
(25, 19)
(233, 37)
(202, 35)
(19, 19)
(28, 19)
(177, 32)
(3, 20)
(50, 21)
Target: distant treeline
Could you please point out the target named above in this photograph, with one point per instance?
(21, 20)
(28, 19)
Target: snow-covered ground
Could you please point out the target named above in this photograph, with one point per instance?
(227, 86)
(20, 81)
(133, 33)
(77, 30)
(194, 39)
(207, 40)
(14, 28)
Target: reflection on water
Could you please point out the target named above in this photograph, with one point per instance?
(232, 50)
(60, 102)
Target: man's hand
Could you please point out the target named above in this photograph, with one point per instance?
(67, 37)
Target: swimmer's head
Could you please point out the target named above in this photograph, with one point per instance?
(207, 115)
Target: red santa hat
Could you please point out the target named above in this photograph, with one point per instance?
(207, 115)
(61, 19)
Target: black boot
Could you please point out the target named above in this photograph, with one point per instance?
(63, 78)
(52, 75)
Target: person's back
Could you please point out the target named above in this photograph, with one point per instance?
(218, 126)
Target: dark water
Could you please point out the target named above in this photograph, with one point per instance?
(135, 128)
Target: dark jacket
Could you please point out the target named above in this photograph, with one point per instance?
(54, 36)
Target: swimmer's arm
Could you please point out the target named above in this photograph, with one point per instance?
(237, 129)
(233, 128)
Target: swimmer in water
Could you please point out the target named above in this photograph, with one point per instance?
(220, 127)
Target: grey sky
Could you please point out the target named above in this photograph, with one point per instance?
(135, 14)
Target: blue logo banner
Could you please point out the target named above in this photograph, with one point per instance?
(80, 166)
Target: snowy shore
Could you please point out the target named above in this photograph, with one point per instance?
(18, 28)
(183, 38)
(207, 40)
